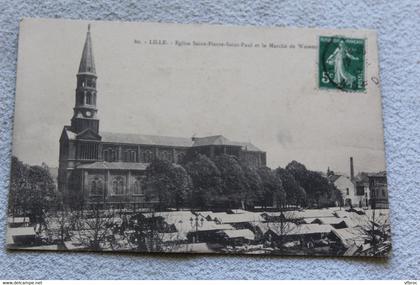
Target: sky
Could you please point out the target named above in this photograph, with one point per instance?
(267, 96)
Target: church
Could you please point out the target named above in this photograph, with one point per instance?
(104, 167)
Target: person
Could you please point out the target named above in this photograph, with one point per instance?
(41, 220)
(336, 59)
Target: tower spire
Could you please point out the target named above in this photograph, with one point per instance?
(84, 111)
(87, 63)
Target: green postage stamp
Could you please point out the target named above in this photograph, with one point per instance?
(341, 63)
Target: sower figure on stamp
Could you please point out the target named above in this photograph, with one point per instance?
(337, 60)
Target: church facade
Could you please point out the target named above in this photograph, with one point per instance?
(105, 167)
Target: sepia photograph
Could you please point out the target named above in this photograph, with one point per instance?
(147, 137)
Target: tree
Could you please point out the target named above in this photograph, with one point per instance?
(181, 192)
(233, 188)
(42, 189)
(376, 229)
(282, 225)
(144, 233)
(296, 167)
(18, 198)
(295, 194)
(319, 190)
(32, 188)
(96, 231)
(254, 185)
(206, 180)
(167, 184)
(273, 193)
(58, 226)
(150, 232)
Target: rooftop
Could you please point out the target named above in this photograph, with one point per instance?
(243, 233)
(127, 138)
(146, 139)
(114, 165)
(221, 140)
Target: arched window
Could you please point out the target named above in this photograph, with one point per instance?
(80, 98)
(93, 188)
(118, 185)
(133, 156)
(89, 98)
(148, 156)
(96, 187)
(130, 156)
(110, 154)
(137, 187)
(106, 155)
(180, 157)
(165, 155)
(114, 186)
(121, 186)
(99, 186)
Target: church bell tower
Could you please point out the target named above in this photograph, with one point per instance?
(85, 112)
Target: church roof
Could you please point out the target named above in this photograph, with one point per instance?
(145, 139)
(125, 138)
(221, 140)
(114, 165)
(87, 63)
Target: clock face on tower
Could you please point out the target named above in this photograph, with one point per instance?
(88, 114)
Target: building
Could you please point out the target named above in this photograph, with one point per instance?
(363, 190)
(347, 189)
(104, 167)
(378, 190)
(354, 194)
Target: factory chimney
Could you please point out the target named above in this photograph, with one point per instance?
(351, 169)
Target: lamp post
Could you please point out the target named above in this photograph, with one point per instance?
(196, 223)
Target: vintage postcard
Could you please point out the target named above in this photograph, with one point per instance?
(143, 137)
